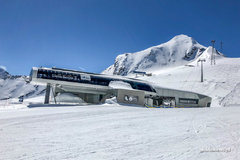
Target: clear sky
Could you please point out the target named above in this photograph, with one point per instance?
(89, 34)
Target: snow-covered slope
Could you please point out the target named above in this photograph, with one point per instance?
(175, 64)
(219, 80)
(209, 54)
(16, 86)
(116, 132)
(178, 51)
(232, 98)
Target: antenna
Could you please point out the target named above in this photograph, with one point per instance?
(213, 55)
(221, 45)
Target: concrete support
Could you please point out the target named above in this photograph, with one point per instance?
(131, 96)
(47, 94)
(201, 60)
(54, 95)
(201, 71)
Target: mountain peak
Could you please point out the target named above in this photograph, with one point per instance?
(207, 54)
(180, 50)
(182, 38)
(3, 73)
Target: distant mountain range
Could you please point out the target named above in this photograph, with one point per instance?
(15, 86)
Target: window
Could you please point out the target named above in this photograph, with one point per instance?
(88, 79)
(188, 101)
(100, 81)
(133, 99)
(141, 86)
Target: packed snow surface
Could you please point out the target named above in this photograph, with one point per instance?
(113, 131)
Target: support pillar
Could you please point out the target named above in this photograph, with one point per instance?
(201, 71)
(201, 60)
(47, 94)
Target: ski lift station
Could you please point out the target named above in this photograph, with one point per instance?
(96, 88)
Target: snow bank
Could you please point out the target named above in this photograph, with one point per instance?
(112, 100)
(120, 85)
(68, 98)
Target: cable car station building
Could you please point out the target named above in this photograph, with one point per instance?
(95, 89)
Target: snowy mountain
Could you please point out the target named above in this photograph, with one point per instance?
(175, 64)
(3, 73)
(16, 86)
(180, 50)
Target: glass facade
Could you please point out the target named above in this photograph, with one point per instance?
(93, 79)
(188, 101)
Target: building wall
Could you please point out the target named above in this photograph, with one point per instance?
(131, 96)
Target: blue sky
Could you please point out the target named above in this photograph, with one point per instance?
(89, 34)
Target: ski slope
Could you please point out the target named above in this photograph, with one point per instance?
(113, 131)
(219, 80)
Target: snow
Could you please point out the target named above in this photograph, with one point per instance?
(13, 103)
(32, 130)
(119, 132)
(207, 54)
(233, 97)
(112, 100)
(119, 85)
(3, 67)
(175, 64)
(68, 98)
(178, 51)
(16, 86)
(3, 73)
(219, 79)
(179, 72)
